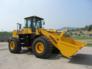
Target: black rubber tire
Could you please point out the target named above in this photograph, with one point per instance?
(47, 45)
(17, 48)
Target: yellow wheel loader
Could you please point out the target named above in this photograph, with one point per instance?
(41, 41)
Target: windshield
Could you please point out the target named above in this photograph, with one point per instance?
(38, 24)
(34, 24)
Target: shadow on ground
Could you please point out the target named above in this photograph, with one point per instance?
(83, 59)
(26, 51)
(53, 56)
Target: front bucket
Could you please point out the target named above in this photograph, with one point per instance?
(65, 44)
(69, 47)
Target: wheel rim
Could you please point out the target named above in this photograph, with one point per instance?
(39, 47)
(12, 45)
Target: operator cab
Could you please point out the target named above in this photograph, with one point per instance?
(34, 22)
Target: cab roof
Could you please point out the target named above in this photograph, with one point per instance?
(32, 17)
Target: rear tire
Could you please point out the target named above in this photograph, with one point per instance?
(14, 46)
(46, 53)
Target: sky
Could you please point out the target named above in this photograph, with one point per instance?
(57, 13)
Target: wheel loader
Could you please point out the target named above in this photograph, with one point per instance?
(41, 41)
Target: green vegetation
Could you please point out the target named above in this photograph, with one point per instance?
(84, 34)
(88, 28)
(82, 37)
(85, 38)
(4, 36)
(89, 44)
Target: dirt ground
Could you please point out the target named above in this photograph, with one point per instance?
(26, 60)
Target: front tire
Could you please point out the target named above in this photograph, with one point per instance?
(14, 46)
(42, 48)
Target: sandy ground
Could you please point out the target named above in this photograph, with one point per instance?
(26, 60)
